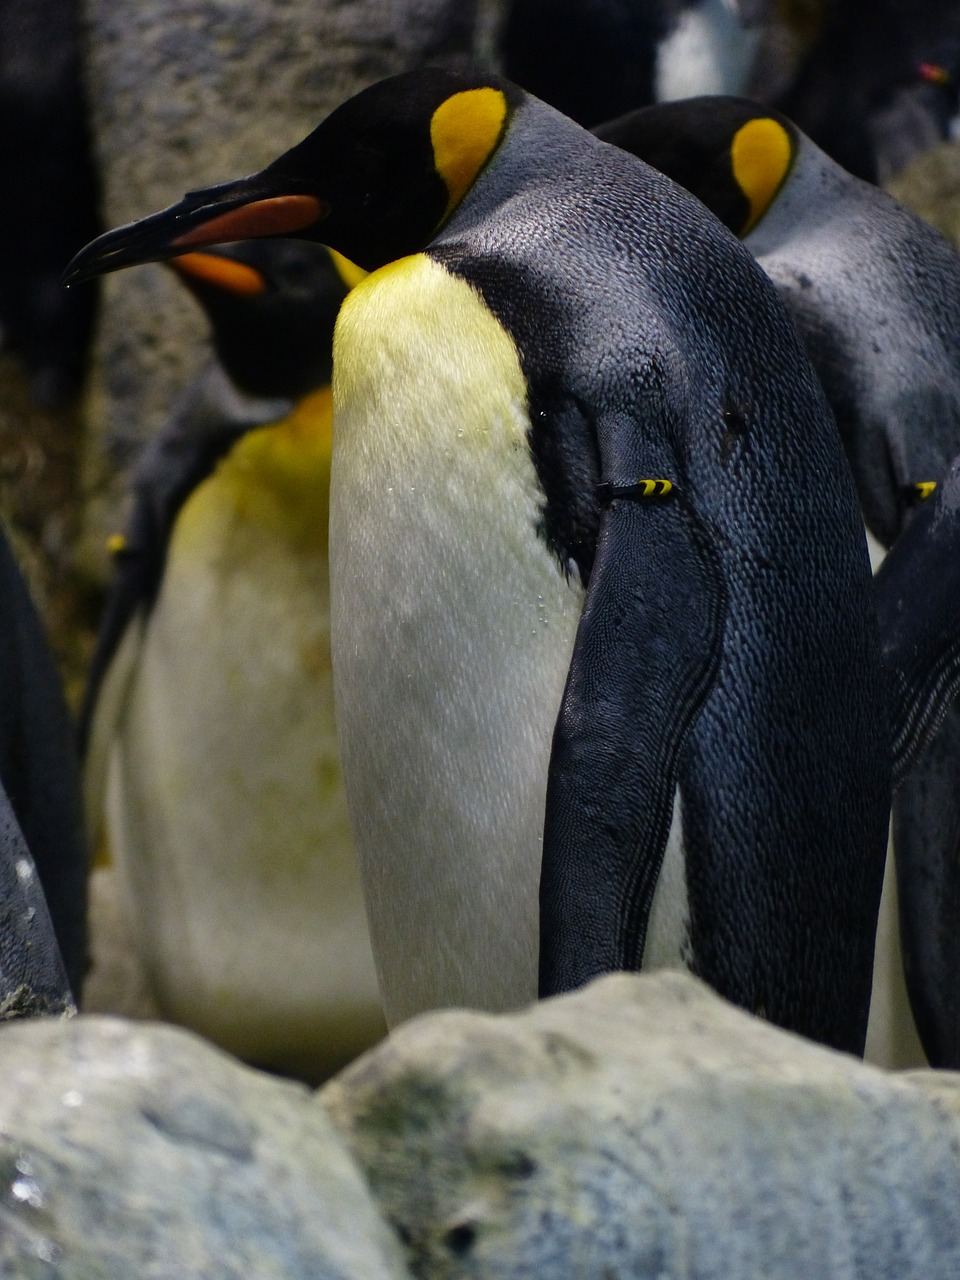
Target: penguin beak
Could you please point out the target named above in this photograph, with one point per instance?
(236, 211)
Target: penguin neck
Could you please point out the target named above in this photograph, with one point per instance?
(536, 149)
(279, 474)
(806, 202)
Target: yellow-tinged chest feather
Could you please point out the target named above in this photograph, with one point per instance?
(428, 388)
(276, 479)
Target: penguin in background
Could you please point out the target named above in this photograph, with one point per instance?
(595, 59)
(875, 292)
(918, 589)
(209, 740)
(592, 539)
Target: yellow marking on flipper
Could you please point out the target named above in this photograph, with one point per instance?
(348, 271)
(276, 476)
(116, 543)
(639, 491)
(464, 133)
(761, 154)
(924, 488)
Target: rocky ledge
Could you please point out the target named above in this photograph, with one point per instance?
(638, 1128)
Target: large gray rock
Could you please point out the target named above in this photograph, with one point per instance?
(644, 1128)
(139, 1151)
(187, 93)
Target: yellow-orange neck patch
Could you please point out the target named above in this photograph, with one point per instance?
(464, 133)
(761, 155)
(348, 271)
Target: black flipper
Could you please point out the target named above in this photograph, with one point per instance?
(918, 606)
(646, 654)
(918, 601)
(926, 842)
(33, 980)
(39, 768)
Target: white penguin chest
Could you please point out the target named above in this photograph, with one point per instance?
(452, 631)
(226, 802)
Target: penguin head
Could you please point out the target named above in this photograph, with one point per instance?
(733, 154)
(375, 181)
(272, 306)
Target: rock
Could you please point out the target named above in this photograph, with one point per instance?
(141, 1151)
(188, 93)
(644, 1128)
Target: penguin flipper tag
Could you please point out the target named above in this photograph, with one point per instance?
(646, 654)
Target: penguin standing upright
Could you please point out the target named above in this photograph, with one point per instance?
(592, 538)
(875, 292)
(209, 717)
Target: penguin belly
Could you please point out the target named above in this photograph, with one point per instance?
(709, 51)
(225, 803)
(453, 627)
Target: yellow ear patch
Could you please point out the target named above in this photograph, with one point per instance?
(464, 133)
(348, 271)
(761, 155)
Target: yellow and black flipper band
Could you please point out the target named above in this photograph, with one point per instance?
(918, 492)
(639, 491)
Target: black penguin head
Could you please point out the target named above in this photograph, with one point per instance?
(375, 180)
(733, 154)
(272, 305)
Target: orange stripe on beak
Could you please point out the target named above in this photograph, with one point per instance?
(224, 273)
(280, 215)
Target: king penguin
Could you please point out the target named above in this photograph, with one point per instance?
(875, 292)
(210, 738)
(605, 657)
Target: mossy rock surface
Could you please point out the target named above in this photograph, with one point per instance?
(643, 1127)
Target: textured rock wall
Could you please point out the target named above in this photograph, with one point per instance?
(188, 93)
